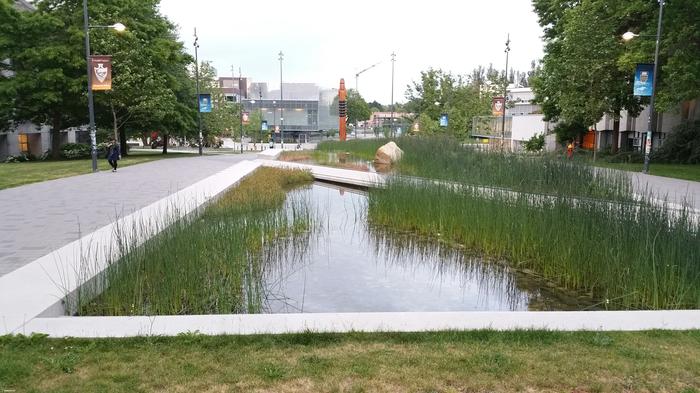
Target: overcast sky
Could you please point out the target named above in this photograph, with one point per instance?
(325, 40)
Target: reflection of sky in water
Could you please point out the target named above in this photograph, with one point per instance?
(348, 268)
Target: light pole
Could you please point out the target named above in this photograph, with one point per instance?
(505, 97)
(281, 102)
(196, 77)
(391, 120)
(240, 94)
(91, 104)
(650, 127)
(274, 121)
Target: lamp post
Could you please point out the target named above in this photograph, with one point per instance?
(240, 94)
(505, 97)
(196, 77)
(281, 103)
(628, 36)
(391, 120)
(274, 121)
(91, 104)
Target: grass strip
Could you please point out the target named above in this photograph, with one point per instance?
(476, 361)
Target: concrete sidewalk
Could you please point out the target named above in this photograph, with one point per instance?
(42, 217)
(676, 190)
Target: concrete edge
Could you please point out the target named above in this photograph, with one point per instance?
(40, 287)
(248, 324)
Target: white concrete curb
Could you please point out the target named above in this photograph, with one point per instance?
(39, 287)
(363, 322)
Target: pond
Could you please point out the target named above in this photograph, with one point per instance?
(346, 265)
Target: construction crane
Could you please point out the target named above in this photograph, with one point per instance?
(357, 76)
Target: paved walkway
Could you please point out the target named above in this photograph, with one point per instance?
(39, 218)
(676, 190)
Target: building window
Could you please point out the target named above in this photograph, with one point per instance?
(23, 140)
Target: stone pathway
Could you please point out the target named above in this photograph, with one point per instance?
(41, 217)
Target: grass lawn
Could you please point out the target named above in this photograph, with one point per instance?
(17, 174)
(479, 361)
(678, 171)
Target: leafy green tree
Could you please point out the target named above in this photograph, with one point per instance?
(48, 69)
(358, 109)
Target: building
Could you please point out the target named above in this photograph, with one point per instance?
(523, 120)
(306, 109)
(234, 88)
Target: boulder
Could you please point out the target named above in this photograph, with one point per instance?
(388, 154)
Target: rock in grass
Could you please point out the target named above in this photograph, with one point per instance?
(388, 154)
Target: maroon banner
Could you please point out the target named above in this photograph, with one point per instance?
(101, 75)
(497, 106)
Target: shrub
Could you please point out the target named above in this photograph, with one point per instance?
(535, 144)
(18, 158)
(74, 151)
(682, 145)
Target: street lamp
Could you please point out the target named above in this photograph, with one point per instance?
(281, 102)
(196, 76)
(391, 121)
(628, 36)
(91, 104)
(505, 97)
(252, 109)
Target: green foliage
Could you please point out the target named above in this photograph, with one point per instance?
(535, 144)
(73, 151)
(628, 256)
(682, 146)
(461, 98)
(215, 261)
(568, 131)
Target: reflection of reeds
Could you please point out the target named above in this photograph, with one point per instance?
(628, 255)
(207, 263)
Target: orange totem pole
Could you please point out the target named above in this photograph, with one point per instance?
(342, 108)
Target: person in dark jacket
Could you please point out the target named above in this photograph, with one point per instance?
(113, 154)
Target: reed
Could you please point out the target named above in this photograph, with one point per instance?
(208, 263)
(629, 256)
(448, 159)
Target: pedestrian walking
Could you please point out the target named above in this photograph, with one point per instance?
(113, 154)
(570, 150)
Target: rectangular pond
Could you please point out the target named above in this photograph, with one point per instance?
(347, 265)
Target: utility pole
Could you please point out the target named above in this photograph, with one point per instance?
(196, 76)
(281, 102)
(650, 126)
(240, 95)
(391, 120)
(505, 97)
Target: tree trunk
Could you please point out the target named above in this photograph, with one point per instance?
(616, 134)
(56, 137)
(114, 123)
(144, 139)
(166, 138)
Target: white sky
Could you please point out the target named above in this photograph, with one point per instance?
(325, 40)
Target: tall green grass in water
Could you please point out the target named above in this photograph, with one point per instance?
(445, 158)
(630, 256)
(209, 263)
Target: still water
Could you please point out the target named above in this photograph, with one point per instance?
(345, 265)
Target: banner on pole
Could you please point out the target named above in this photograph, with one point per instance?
(101, 76)
(497, 106)
(246, 118)
(205, 103)
(443, 120)
(263, 125)
(644, 80)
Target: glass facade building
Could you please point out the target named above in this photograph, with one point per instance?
(299, 115)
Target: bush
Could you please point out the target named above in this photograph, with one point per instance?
(535, 144)
(682, 145)
(18, 158)
(74, 151)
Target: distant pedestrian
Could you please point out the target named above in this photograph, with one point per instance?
(113, 154)
(570, 150)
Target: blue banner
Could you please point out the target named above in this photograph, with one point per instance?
(205, 103)
(263, 125)
(644, 80)
(443, 120)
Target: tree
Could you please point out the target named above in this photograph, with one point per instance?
(358, 110)
(224, 115)
(374, 106)
(587, 70)
(48, 69)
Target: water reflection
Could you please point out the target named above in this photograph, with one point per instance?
(345, 265)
